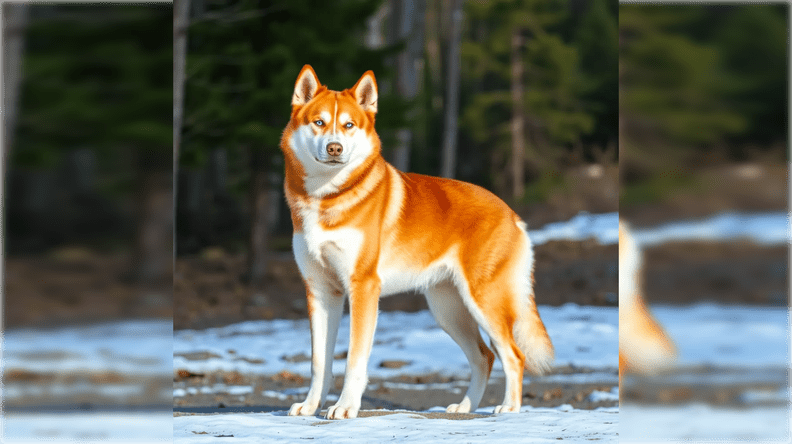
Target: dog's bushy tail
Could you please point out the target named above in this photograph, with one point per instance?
(529, 330)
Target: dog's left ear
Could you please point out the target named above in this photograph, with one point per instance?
(365, 91)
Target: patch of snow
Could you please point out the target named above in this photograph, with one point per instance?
(698, 422)
(600, 396)
(542, 424)
(145, 427)
(583, 336)
(763, 228)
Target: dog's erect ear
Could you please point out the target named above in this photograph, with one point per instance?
(365, 91)
(306, 86)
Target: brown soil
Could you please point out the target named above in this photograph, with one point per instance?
(72, 285)
(85, 389)
(536, 392)
(723, 272)
(663, 389)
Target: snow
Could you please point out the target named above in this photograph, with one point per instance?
(138, 347)
(763, 228)
(735, 335)
(153, 427)
(700, 422)
(603, 227)
(540, 424)
(752, 343)
(583, 336)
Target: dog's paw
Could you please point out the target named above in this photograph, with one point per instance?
(303, 409)
(507, 409)
(339, 411)
(462, 407)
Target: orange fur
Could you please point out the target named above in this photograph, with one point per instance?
(377, 229)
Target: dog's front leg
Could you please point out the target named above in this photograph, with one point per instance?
(325, 309)
(363, 303)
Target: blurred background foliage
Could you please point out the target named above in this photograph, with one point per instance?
(243, 57)
(702, 86)
(88, 162)
(93, 120)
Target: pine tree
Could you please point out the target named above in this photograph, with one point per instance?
(242, 62)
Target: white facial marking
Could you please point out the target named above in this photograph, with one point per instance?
(335, 114)
(343, 119)
(326, 117)
(322, 178)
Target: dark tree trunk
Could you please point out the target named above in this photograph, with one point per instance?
(407, 25)
(448, 166)
(518, 115)
(153, 258)
(181, 18)
(259, 196)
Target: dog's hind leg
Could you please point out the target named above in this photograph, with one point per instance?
(453, 317)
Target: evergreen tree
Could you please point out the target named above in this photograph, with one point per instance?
(673, 86)
(242, 62)
(553, 82)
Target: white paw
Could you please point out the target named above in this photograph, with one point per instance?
(340, 411)
(507, 409)
(303, 409)
(462, 407)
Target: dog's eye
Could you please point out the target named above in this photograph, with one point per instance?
(319, 122)
(349, 125)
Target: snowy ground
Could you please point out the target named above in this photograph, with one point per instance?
(583, 336)
(763, 228)
(753, 342)
(531, 425)
(88, 427)
(131, 346)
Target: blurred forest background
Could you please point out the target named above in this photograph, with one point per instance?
(703, 110)
(704, 131)
(88, 192)
(533, 83)
(520, 97)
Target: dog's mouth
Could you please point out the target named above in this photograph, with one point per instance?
(330, 162)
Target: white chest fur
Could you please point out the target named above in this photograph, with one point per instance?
(318, 251)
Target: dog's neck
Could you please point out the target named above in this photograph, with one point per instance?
(353, 181)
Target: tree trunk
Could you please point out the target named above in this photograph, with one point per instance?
(14, 21)
(259, 196)
(406, 26)
(153, 259)
(518, 116)
(433, 52)
(448, 166)
(181, 19)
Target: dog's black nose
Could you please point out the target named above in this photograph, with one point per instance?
(334, 149)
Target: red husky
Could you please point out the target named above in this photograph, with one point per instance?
(363, 229)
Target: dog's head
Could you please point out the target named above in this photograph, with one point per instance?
(332, 131)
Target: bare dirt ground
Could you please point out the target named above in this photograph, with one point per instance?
(722, 386)
(414, 393)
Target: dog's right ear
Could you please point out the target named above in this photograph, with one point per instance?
(306, 86)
